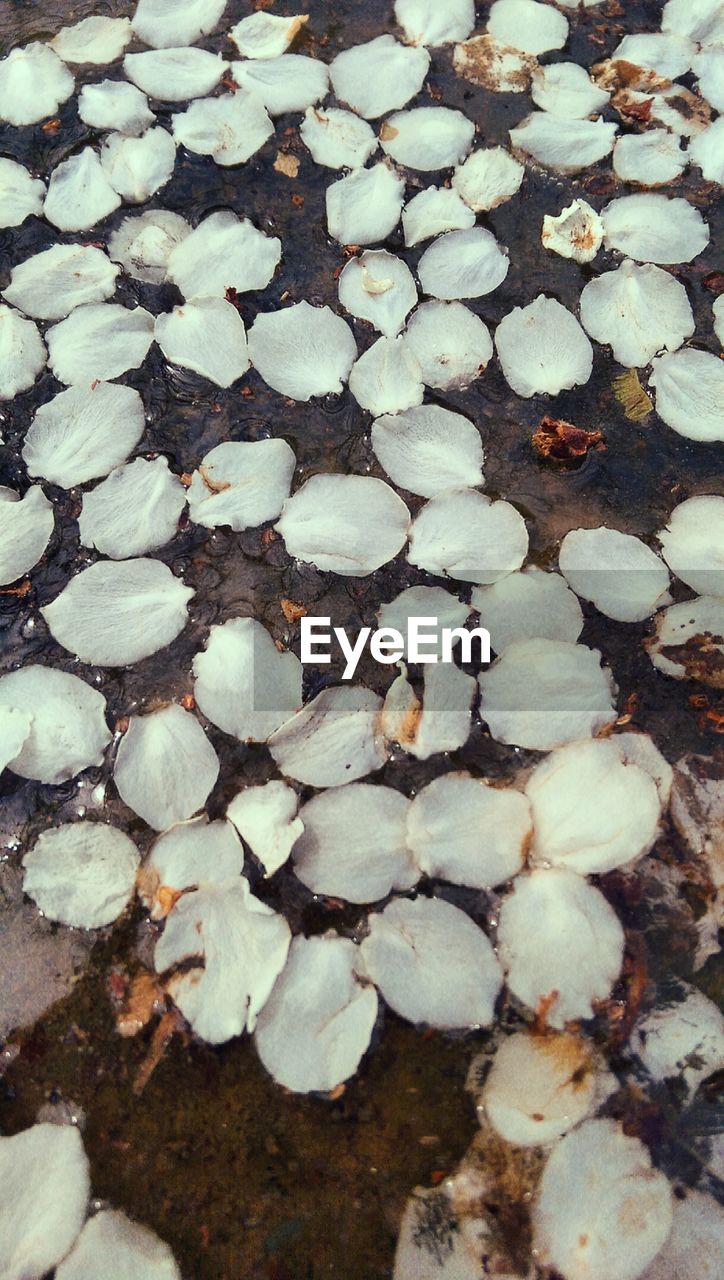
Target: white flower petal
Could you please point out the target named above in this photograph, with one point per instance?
(166, 767)
(427, 22)
(162, 24)
(601, 1209)
(337, 139)
(365, 206)
(617, 572)
(244, 685)
(190, 854)
(427, 450)
(118, 612)
(79, 193)
(230, 128)
(20, 195)
(241, 484)
(353, 844)
(684, 1039)
(379, 76)
(565, 89)
(677, 109)
(432, 964)
(266, 819)
(262, 35)
(692, 543)
(26, 526)
(533, 28)
(127, 1250)
(350, 525)
(564, 145)
(83, 433)
(15, 728)
(463, 830)
(592, 810)
(576, 233)
(424, 602)
(387, 377)
(432, 211)
(143, 243)
(432, 1214)
(654, 228)
(668, 53)
(33, 83)
(302, 351)
(206, 335)
(693, 1249)
(638, 310)
(44, 1171)
(175, 75)
(68, 730)
(50, 284)
(542, 348)
(528, 605)
(138, 167)
(223, 251)
(113, 104)
(463, 534)
(240, 946)
(463, 264)
(96, 40)
(451, 344)
(22, 353)
(690, 393)
(99, 341)
(638, 749)
(290, 82)
(488, 178)
(544, 693)
(441, 722)
(493, 64)
(380, 288)
(318, 1021)
(652, 159)
(81, 873)
(708, 67)
(557, 933)
(427, 137)
(334, 739)
(705, 151)
(688, 641)
(699, 20)
(539, 1087)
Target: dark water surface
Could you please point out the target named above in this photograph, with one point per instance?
(242, 1179)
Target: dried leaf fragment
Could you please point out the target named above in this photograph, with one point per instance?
(287, 164)
(627, 389)
(561, 441)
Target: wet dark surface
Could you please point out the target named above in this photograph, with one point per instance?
(241, 1179)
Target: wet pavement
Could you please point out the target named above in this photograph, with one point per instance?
(240, 1178)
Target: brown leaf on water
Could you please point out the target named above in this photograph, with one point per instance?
(635, 402)
(561, 441)
(291, 610)
(170, 1023)
(144, 998)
